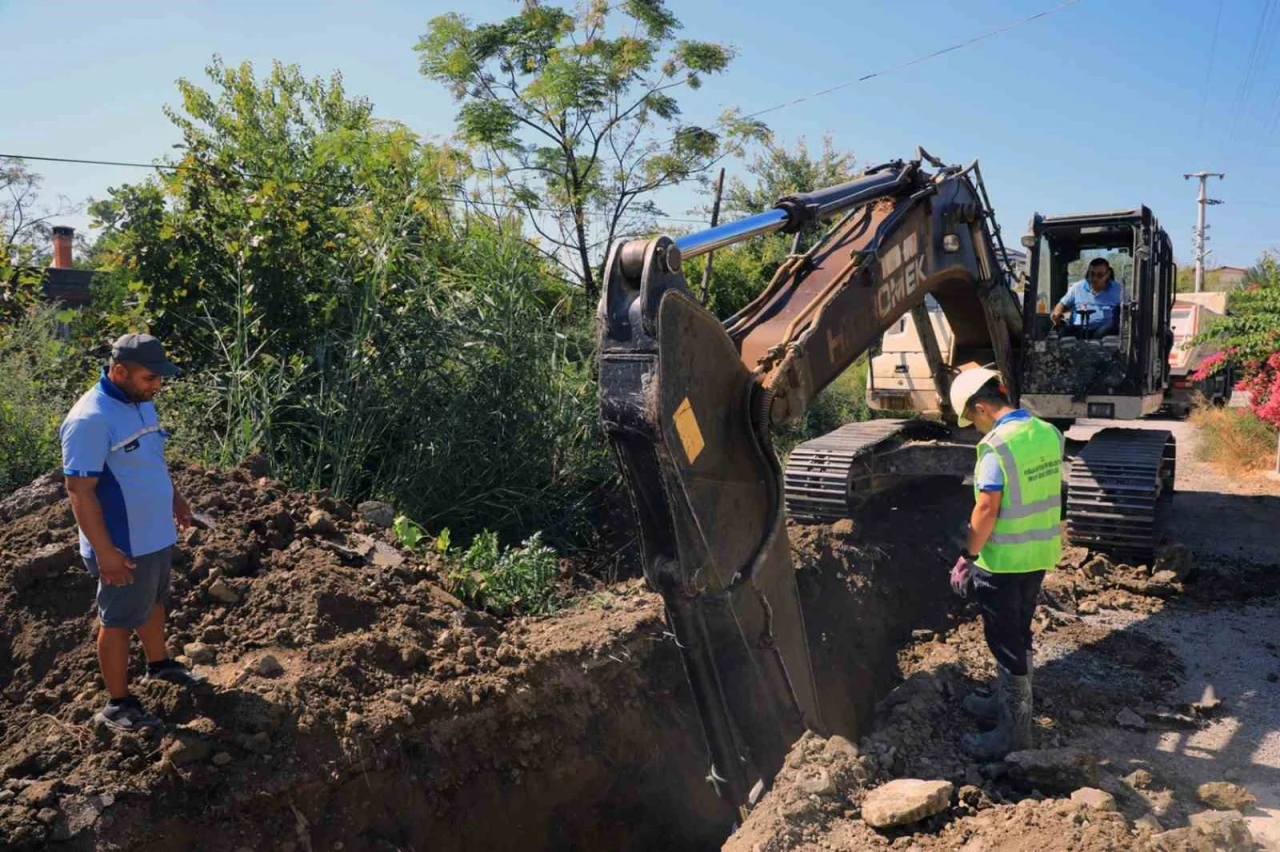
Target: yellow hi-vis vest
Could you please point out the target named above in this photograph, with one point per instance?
(1028, 532)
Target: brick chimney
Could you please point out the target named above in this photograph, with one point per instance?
(63, 237)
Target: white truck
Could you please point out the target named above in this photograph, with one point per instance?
(1192, 314)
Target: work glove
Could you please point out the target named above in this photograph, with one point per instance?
(962, 576)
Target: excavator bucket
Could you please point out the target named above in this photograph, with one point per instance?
(706, 488)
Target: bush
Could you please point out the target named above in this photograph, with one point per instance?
(41, 377)
(501, 579)
(1235, 439)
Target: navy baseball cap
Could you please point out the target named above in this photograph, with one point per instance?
(145, 351)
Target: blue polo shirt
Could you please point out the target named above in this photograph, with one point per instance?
(121, 443)
(990, 476)
(1105, 305)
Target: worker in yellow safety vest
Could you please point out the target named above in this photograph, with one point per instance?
(1014, 537)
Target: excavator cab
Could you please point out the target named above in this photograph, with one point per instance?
(1082, 367)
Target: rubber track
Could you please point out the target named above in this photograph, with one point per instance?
(818, 472)
(1113, 488)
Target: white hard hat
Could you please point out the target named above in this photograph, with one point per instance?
(965, 386)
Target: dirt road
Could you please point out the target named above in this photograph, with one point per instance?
(1229, 652)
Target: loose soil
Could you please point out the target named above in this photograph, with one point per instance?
(394, 717)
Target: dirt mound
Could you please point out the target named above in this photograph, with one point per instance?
(1089, 676)
(351, 698)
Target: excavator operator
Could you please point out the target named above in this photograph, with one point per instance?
(1014, 538)
(1096, 299)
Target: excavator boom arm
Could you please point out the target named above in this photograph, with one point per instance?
(688, 403)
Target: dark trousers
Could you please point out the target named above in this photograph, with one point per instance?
(1007, 603)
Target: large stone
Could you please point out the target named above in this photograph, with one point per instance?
(321, 522)
(1225, 796)
(1174, 558)
(187, 749)
(200, 653)
(48, 561)
(377, 513)
(1227, 828)
(1126, 718)
(1094, 799)
(905, 801)
(1055, 769)
(222, 591)
(268, 666)
(40, 794)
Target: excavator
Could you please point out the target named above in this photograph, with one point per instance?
(688, 403)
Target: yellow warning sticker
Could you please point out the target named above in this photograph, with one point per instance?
(687, 428)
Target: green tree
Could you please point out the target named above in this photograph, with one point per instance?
(1249, 337)
(279, 190)
(574, 117)
(26, 233)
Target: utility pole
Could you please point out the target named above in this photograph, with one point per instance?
(1200, 235)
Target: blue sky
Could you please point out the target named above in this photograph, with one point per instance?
(1101, 105)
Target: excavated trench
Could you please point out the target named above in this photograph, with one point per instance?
(620, 762)
(573, 732)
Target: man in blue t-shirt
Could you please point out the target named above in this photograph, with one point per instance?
(126, 506)
(1100, 293)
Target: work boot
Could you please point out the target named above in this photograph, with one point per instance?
(1013, 720)
(984, 707)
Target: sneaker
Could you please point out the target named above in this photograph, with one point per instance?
(174, 672)
(126, 715)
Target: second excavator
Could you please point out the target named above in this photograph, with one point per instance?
(688, 403)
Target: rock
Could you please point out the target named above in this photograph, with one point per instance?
(1096, 567)
(1094, 799)
(905, 801)
(1175, 559)
(1055, 769)
(922, 635)
(213, 635)
(378, 513)
(1166, 579)
(48, 561)
(321, 522)
(1225, 796)
(1226, 829)
(221, 759)
(200, 654)
(187, 749)
(1126, 718)
(385, 556)
(1140, 779)
(221, 591)
(7, 796)
(268, 666)
(843, 527)
(47, 815)
(39, 794)
(818, 784)
(1149, 822)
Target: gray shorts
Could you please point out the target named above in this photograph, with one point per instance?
(130, 606)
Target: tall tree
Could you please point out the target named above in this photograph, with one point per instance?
(575, 119)
(26, 233)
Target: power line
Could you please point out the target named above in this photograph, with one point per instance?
(1252, 66)
(1208, 74)
(881, 72)
(890, 69)
(304, 182)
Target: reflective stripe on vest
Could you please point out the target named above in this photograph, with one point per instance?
(1027, 534)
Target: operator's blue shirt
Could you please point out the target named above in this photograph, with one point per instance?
(121, 443)
(990, 476)
(1105, 305)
